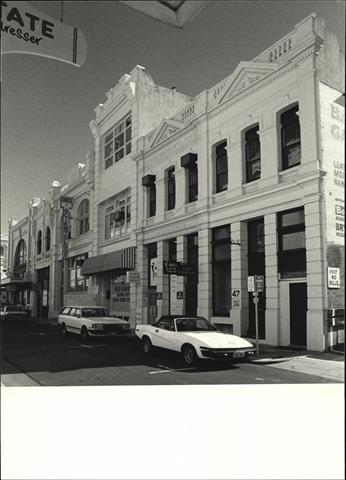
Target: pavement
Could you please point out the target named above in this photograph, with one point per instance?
(326, 365)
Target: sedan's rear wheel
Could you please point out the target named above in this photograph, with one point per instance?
(146, 345)
(84, 335)
(189, 355)
(63, 330)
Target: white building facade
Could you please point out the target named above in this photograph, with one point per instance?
(240, 183)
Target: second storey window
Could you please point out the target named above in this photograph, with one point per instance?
(149, 183)
(83, 217)
(77, 281)
(253, 154)
(189, 162)
(290, 138)
(39, 243)
(171, 188)
(117, 142)
(221, 167)
(117, 217)
(48, 238)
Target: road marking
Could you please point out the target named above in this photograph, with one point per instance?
(86, 346)
(261, 379)
(167, 370)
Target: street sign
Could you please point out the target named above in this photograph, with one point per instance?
(259, 283)
(180, 295)
(333, 277)
(178, 268)
(251, 284)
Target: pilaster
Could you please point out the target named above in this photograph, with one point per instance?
(205, 273)
(272, 316)
(239, 297)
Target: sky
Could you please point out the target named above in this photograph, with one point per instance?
(47, 105)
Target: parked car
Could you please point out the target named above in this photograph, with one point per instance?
(91, 322)
(195, 337)
(14, 312)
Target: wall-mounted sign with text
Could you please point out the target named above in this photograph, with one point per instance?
(333, 277)
(27, 30)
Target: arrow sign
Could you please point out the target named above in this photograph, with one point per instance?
(27, 30)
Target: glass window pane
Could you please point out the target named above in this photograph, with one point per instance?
(128, 148)
(222, 252)
(222, 164)
(293, 218)
(222, 233)
(128, 121)
(119, 141)
(108, 162)
(128, 135)
(119, 154)
(109, 137)
(293, 155)
(108, 149)
(291, 134)
(292, 241)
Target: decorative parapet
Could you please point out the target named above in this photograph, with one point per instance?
(276, 52)
(215, 92)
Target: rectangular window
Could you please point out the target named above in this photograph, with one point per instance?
(117, 217)
(171, 189)
(221, 167)
(253, 154)
(290, 138)
(77, 281)
(291, 242)
(221, 258)
(152, 199)
(117, 142)
(193, 182)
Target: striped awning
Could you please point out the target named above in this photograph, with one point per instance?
(120, 260)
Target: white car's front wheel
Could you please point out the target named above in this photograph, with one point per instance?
(189, 354)
(146, 345)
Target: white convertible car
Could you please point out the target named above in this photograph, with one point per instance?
(195, 337)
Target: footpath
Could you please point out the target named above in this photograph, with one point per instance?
(326, 365)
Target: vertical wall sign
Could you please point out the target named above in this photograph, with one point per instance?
(66, 205)
(27, 30)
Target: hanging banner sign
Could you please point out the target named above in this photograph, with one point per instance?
(27, 30)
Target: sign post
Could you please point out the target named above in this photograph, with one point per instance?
(256, 285)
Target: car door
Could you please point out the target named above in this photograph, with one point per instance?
(71, 320)
(162, 333)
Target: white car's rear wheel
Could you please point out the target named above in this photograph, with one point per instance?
(84, 335)
(189, 355)
(146, 345)
(63, 330)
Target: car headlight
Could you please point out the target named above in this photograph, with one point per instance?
(97, 326)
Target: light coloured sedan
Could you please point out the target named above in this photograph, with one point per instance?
(195, 337)
(92, 322)
(14, 312)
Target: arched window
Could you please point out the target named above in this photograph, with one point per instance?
(20, 260)
(39, 243)
(83, 217)
(47, 239)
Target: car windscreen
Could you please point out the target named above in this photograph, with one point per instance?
(95, 312)
(194, 325)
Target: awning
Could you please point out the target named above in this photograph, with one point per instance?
(16, 282)
(171, 12)
(121, 260)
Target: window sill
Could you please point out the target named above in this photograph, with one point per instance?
(288, 174)
(169, 214)
(120, 238)
(250, 187)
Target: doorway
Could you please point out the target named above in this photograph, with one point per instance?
(152, 308)
(298, 309)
